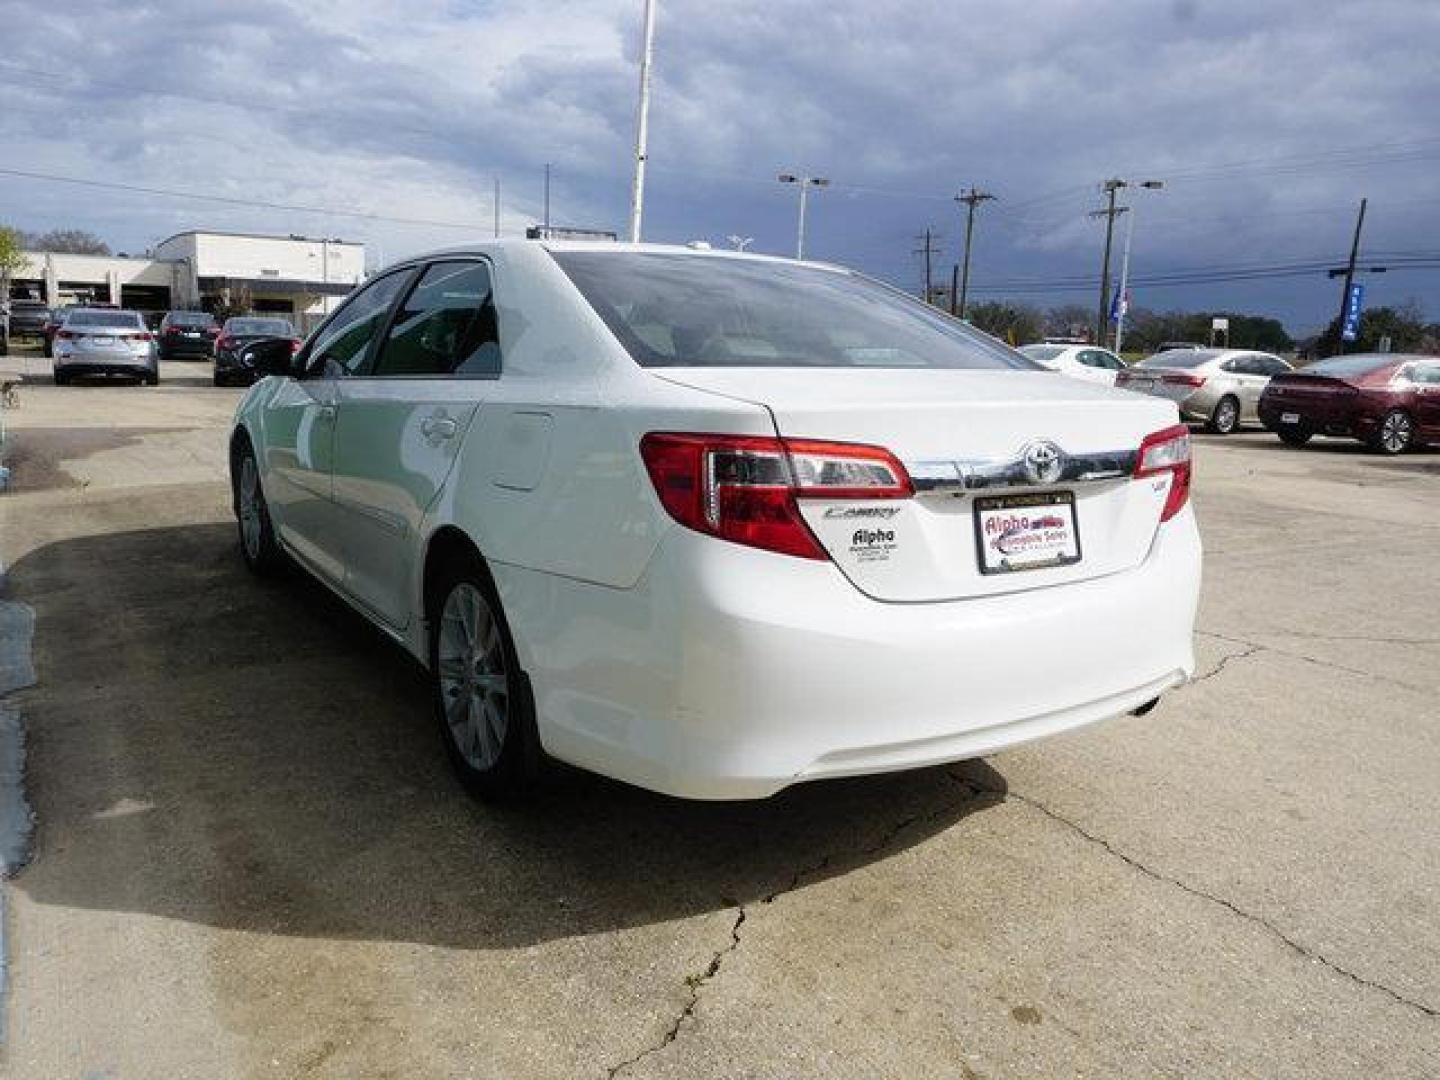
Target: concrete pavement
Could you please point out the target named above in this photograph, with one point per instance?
(251, 860)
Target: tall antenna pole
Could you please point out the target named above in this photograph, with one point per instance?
(972, 198)
(547, 201)
(642, 125)
(497, 206)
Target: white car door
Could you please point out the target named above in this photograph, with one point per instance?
(401, 424)
(300, 422)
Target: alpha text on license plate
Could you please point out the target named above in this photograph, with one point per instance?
(1026, 532)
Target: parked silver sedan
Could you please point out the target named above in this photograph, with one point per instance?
(105, 341)
(1217, 387)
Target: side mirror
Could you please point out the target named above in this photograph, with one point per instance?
(271, 356)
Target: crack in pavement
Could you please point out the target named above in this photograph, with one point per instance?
(1225, 662)
(1220, 901)
(1256, 647)
(696, 981)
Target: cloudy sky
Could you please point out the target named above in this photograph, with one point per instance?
(388, 122)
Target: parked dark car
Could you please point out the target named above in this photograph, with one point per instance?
(231, 368)
(1388, 401)
(188, 334)
(28, 318)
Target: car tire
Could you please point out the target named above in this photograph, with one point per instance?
(1394, 434)
(152, 379)
(1225, 418)
(1294, 436)
(219, 380)
(480, 696)
(258, 546)
(61, 379)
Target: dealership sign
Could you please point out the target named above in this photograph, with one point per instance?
(1354, 303)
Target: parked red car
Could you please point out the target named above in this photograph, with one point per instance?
(1389, 401)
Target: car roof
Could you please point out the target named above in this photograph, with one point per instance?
(608, 247)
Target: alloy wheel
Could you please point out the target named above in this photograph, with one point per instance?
(250, 512)
(474, 681)
(1395, 432)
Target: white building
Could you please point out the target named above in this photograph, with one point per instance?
(291, 275)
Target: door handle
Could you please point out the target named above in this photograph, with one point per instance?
(327, 412)
(438, 427)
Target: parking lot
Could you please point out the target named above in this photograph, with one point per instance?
(251, 859)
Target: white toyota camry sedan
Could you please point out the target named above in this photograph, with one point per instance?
(715, 523)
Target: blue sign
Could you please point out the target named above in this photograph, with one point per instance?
(1354, 303)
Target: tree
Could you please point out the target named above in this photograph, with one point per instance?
(12, 258)
(69, 242)
(1070, 320)
(1403, 325)
(1018, 324)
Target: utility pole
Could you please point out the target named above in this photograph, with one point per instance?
(954, 285)
(972, 198)
(497, 206)
(1349, 279)
(1110, 187)
(928, 250)
(642, 124)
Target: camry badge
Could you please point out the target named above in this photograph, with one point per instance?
(1043, 461)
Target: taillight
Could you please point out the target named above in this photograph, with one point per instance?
(172, 330)
(65, 335)
(223, 342)
(295, 344)
(1168, 451)
(147, 336)
(1184, 379)
(745, 488)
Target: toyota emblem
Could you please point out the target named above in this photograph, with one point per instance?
(1043, 461)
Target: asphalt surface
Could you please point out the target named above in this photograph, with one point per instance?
(250, 859)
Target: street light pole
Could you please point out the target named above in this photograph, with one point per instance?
(642, 125)
(1110, 187)
(805, 182)
(1120, 312)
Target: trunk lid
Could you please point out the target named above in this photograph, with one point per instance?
(962, 435)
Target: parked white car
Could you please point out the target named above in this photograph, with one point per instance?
(1078, 361)
(715, 523)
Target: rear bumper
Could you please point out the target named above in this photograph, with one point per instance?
(1347, 420)
(103, 364)
(186, 347)
(732, 673)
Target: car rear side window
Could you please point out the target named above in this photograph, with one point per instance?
(679, 310)
(446, 326)
(342, 346)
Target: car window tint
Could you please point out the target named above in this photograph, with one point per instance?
(447, 325)
(1111, 362)
(1428, 374)
(710, 311)
(341, 347)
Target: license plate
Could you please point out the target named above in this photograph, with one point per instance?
(1143, 385)
(1026, 532)
(1289, 418)
(192, 333)
(103, 340)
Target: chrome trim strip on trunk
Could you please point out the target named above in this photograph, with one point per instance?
(979, 475)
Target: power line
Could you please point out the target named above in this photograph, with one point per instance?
(227, 200)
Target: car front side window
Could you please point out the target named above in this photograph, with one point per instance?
(342, 346)
(446, 326)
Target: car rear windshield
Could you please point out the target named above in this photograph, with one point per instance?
(1043, 353)
(1341, 367)
(191, 318)
(1180, 358)
(269, 327)
(676, 310)
(128, 320)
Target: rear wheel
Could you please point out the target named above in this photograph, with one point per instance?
(152, 378)
(257, 534)
(481, 697)
(61, 379)
(1294, 436)
(1226, 417)
(1394, 434)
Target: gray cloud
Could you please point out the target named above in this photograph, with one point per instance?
(410, 109)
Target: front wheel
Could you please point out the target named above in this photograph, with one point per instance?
(1226, 417)
(257, 534)
(1394, 434)
(481, 697)
(1294, 436)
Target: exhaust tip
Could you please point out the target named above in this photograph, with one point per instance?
(1149, 706)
